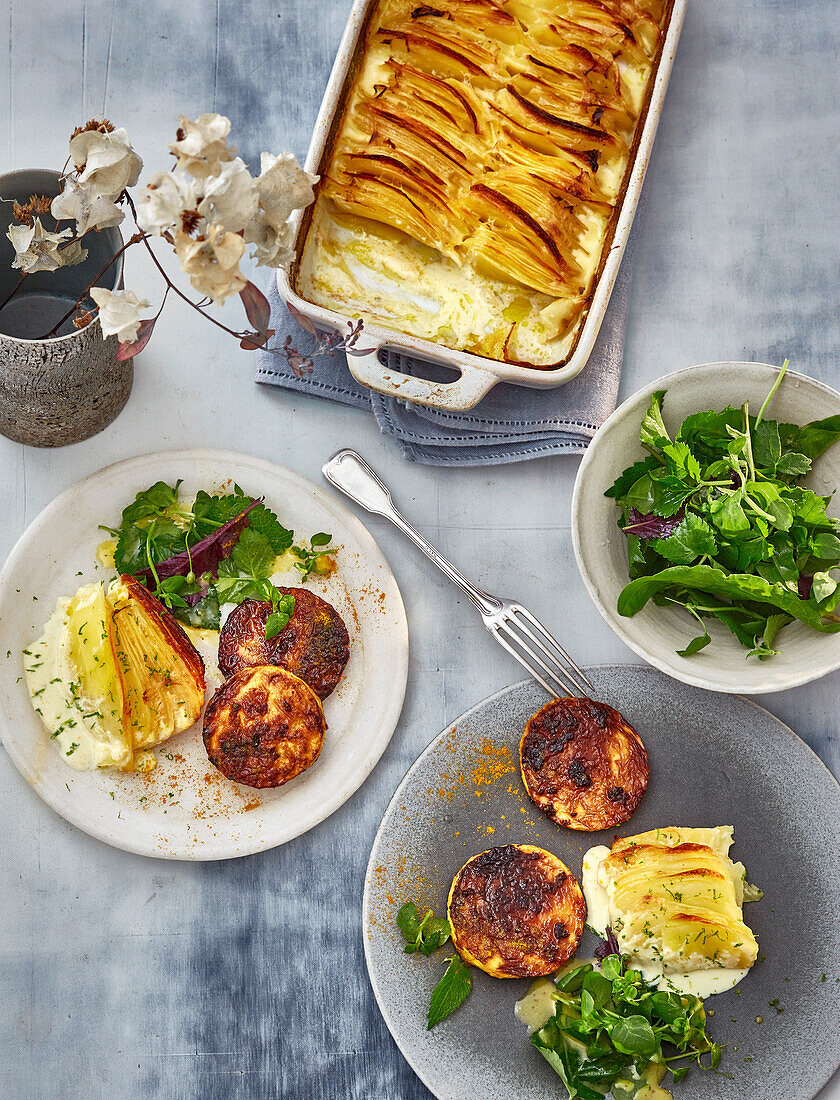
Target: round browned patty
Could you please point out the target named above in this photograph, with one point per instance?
(583, 764)
(314, 644)
(263, 727)
(516, 912)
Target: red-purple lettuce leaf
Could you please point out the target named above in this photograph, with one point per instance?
(204, 557)
(652, 526)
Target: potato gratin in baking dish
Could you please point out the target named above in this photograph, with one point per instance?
(470, 192)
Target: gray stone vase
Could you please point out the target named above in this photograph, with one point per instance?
(70, 386)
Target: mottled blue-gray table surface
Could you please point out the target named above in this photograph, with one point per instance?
(124, 977)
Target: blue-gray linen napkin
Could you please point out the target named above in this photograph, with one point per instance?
(511, 424)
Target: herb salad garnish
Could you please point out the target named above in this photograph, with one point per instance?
(216, 549)
(613, 1030)
(717, 522)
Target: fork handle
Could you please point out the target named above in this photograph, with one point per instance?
(349, 472)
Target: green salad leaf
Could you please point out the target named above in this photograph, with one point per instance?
(219, 548)
(716, 522)
(612, 1030)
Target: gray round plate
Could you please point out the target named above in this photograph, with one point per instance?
(715, 760)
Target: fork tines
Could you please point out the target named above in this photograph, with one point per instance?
(545, 659)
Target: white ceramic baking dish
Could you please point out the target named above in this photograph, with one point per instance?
(478, 375)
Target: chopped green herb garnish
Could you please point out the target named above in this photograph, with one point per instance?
(610, 1024)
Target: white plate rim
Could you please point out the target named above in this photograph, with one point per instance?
(769, 684)
(391, 713)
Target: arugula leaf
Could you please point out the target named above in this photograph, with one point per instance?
(450, 992)
(695, 645)
(818, 436)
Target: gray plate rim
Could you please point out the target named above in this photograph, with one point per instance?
(464, 716)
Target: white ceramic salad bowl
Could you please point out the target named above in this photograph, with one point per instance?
(656, 633)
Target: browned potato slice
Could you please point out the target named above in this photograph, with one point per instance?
(314, 644)
(263, 727)
(583, 764)
(516, 912)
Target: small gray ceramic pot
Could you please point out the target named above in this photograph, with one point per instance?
(65, 388)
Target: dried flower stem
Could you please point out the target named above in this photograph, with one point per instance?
(132, 240)
(13, 291)
(170, 285)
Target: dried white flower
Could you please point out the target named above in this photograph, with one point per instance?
(73, 254)
(202, 145)
(36, 249)
(230, 196)
(162, 201)
(119, 312)
(212, 263)
(90, 210)
(283, 186)
(273, 246)
(105, 161)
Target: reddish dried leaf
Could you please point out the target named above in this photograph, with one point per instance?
(257, 309)
(130, 348)
(251, 341)
(301, 319)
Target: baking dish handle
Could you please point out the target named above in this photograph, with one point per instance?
(458, 396)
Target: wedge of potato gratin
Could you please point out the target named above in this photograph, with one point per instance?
(477, 167)
(674, 901)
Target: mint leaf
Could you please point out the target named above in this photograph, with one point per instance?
(408, 920)
(279, 617)
(425, 935)
(450, 992)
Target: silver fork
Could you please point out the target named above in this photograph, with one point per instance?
(511, 624)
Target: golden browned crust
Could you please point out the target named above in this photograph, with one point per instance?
(263, 727)
(582, 764)
(516, 912)
(173, 632)
(314, 644)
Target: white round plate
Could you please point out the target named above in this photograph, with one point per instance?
(185, 809)
(656, 633)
